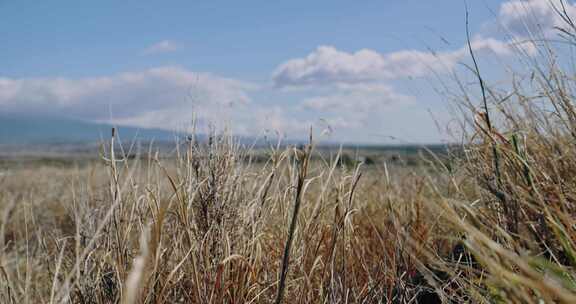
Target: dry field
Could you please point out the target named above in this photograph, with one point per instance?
(210, 226)
(493, 223)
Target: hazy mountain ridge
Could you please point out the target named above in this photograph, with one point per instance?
(20, 129)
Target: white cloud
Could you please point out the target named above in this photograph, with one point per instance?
(359, 83)
(159, 97)
(327, 65)
(164, 46)
(529, 18)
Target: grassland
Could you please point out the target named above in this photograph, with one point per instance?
(222, 241)
(490, 222)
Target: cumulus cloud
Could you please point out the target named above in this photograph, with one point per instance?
(164, 46)
(528, 18)
(361, 84)
(157, 97)
(327, 65)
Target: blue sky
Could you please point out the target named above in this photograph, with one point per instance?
(361, 71)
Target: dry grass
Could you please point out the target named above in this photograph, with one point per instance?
(208, 227)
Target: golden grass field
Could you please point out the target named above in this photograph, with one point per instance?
(491, 222)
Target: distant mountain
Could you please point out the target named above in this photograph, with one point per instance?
(19, 129)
